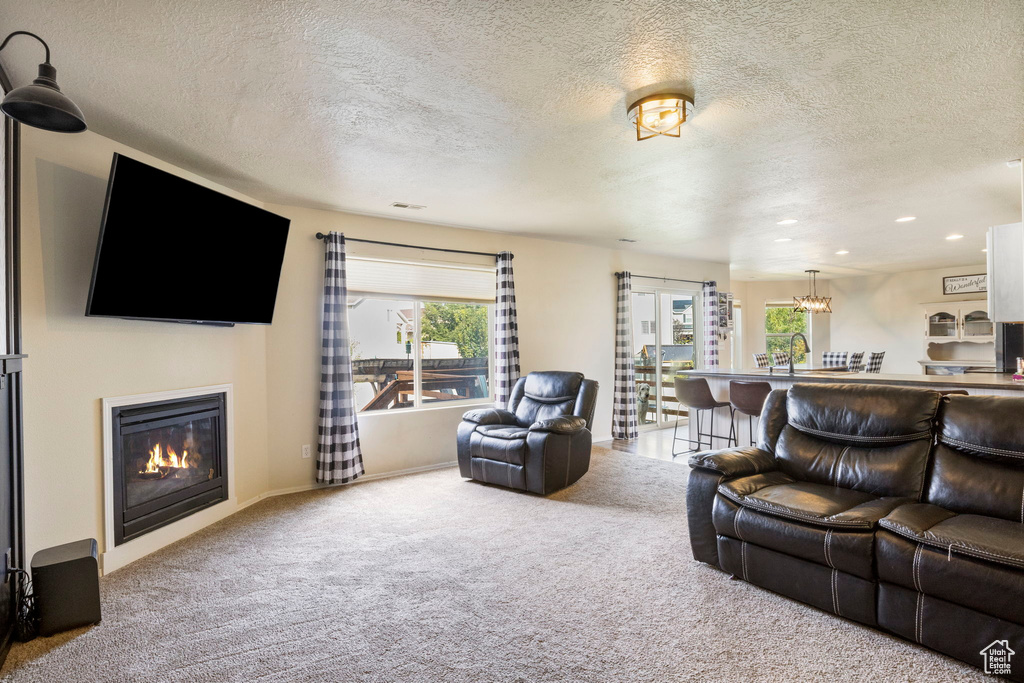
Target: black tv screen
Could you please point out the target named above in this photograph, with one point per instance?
(172, 250)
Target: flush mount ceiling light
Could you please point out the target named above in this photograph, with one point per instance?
(41, 104)
(955, 237)
(842, 252)
(906, 219)
(812, 303)
(661, 114)
(787, 221)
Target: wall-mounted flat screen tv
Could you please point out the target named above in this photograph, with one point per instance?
(173, 250)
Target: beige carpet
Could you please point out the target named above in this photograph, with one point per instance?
(432, 578)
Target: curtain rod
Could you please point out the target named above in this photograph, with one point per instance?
(668, 279)
(321, 236)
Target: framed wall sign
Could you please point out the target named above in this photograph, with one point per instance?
(965, 284)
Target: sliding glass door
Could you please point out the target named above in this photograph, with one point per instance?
(666, 331)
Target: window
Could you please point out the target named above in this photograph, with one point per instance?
(454, 351)
(420, 333)
(780, 323)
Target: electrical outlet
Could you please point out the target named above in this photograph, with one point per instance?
(306, 452)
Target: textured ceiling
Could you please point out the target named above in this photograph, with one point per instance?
(511, 115)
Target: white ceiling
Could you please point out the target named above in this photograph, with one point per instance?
(512, 115)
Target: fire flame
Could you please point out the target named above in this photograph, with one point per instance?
(161, 459)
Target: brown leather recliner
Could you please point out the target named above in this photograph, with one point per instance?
(857, 503)
(540, 442)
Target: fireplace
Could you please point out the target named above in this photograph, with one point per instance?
(169, 460)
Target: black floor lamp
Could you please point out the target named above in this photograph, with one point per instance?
(41, 104)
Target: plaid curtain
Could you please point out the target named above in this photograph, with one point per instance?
(624, 418)
(339, 458)
(710, 325)
(506, 331)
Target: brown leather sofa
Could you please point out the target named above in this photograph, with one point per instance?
(894, 507)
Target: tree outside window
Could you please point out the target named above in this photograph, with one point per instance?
(463, 324)
(780, 323)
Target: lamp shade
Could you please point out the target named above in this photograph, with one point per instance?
(42, 105)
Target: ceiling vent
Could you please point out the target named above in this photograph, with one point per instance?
(403, 205)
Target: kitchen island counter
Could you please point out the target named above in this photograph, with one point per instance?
(983, 383)
(718, 380)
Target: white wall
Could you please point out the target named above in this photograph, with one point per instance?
(74, 361)
(754, 295)
(565, 295)
(884, 313)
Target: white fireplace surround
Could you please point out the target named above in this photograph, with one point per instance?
(115, 557)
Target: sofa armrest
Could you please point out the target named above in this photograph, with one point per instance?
(490, 416)
(735, 462)
(569, 424)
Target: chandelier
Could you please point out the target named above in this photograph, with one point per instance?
(661, 114)
(812, 303)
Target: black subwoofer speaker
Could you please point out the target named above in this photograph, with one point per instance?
(66, 584)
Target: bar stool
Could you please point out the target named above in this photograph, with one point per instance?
(746, 398)
(694, 393)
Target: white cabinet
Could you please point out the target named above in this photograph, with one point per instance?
(1006, 273)
(958, 321)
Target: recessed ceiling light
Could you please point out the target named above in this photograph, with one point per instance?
(406, 205)
(955, 237)
(841, 252)
(985, 250)
(784, 239)
(786, 221)
(626, 239)
(906, 219)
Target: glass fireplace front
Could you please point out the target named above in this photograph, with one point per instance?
(169, 462)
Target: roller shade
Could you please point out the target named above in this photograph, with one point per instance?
(421, 280)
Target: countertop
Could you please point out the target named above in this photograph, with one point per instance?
(977, 381)
(959, 363)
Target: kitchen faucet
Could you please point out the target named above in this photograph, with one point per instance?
(807, 347)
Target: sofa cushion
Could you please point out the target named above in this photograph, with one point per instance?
(979, 459)
(896, 469)
(984, 426)
(503, 431)
(545, 395)
(987, 538)
(984, 586)
(862, 414)
(848, 550)
(874, 439)
(778, 494)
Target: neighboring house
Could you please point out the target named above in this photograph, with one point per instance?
(645, 327)
(379, 328)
